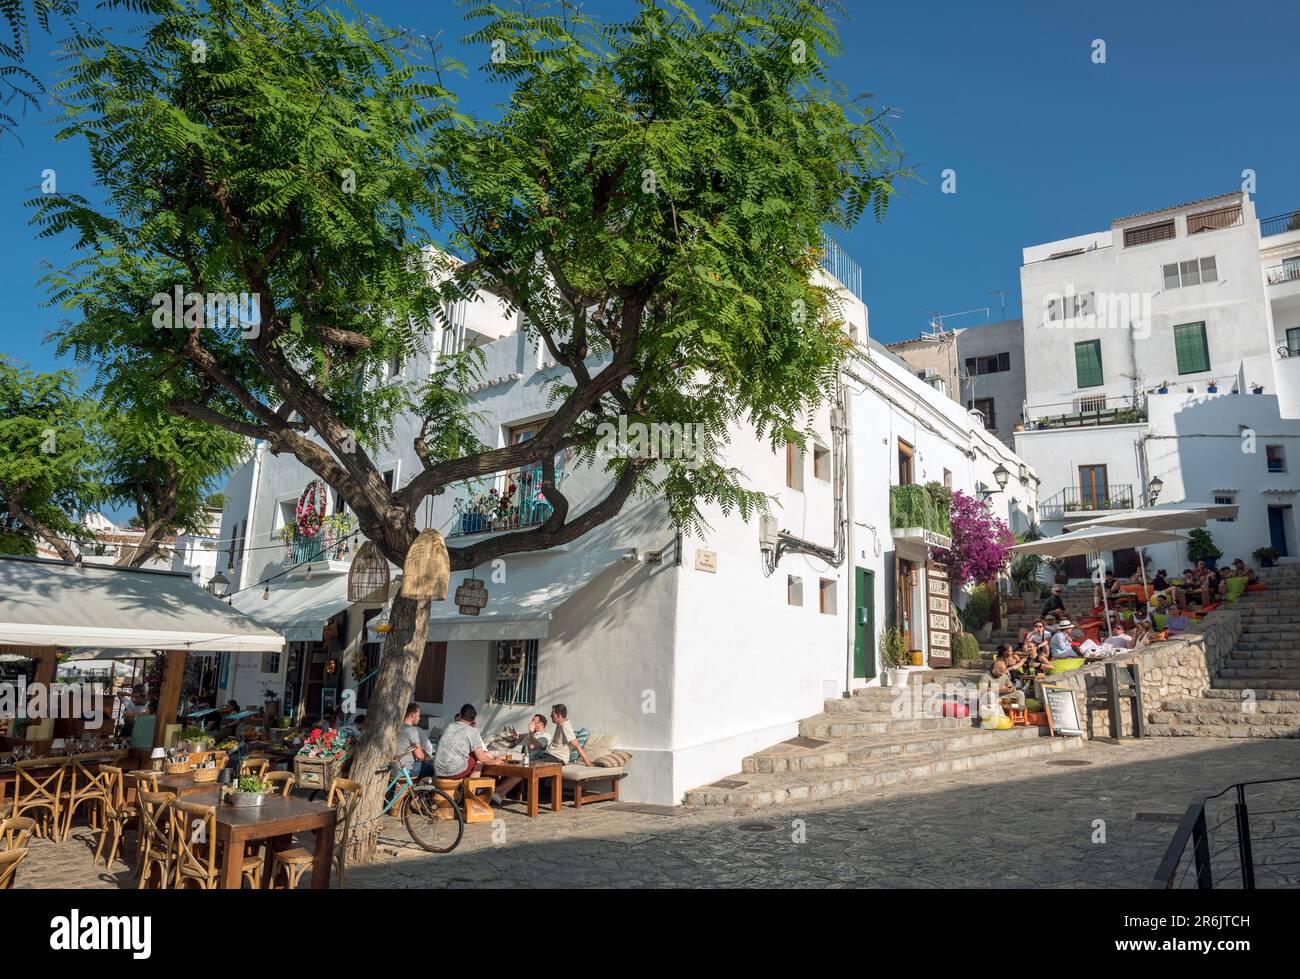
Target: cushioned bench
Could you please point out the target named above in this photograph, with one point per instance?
(592, 783)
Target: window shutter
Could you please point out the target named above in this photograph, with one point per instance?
(1087, 363)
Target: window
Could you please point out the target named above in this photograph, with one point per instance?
(1147, 233)
(1223, 217)
(826, 595)
(794, 467)
(1191, 348)
(947, 479)
(985, 407)
(432, 674)
(1087, 364)
(516, 673)
(1193, 272)
(1276, 456)
(821, 462)
(1092, 402)
(271, 662)
(389, 476)
(1225, 500)
(523, 433)
(1094, 487)
(793, 590)
(904, 463)
(1293, 341)
(991, 364)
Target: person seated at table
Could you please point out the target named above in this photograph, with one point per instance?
(534, 742)
(461, 751)
(418, 760)
(1119, 639)
(1242, 569)
(1055, 603)
(1109, 587)
(1060, 644)
(1000, 676)
(1143, 627)
(563, 740)
(1038, 635)
(1161, 586)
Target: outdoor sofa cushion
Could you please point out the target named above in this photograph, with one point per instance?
(615, 759)
(584, 773)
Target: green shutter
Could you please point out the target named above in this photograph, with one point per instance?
(1192, 349)
(1087, 363)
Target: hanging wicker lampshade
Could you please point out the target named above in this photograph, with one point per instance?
(428, 568)
(368, 575)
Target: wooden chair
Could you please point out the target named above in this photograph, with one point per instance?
(288, 779)
(254, 766)
(158, 831)
(117, 813)
(15, 830)
(41, 793)
(9, 861)
(194, 832)
(86, 787)
(144, 778)
(295, 861)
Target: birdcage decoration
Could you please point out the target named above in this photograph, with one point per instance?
(427, 570)
(368, 575)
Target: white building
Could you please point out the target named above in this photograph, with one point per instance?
(1159, 350)
(694, 651)
(193, 554)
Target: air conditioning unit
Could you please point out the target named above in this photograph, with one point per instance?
(768, 529)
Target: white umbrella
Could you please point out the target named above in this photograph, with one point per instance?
(1182, 517)
(1094, 540)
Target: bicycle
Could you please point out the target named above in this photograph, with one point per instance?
(432, 817)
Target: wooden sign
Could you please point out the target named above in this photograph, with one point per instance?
(471, 596)
(939, 615)
(1062, 710)
(706, 561)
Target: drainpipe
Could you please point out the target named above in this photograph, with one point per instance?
(850, 551)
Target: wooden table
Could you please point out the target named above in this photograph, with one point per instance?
(532, 775)
(275, 821)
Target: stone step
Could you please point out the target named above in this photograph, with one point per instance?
(845, 752)
(764, 789)
(1251, 683)
(1237, 729)
(830, 726)
(1235, 695)
(1263, 672)
(1233, 706)
(1235, 662)
(1239, 717)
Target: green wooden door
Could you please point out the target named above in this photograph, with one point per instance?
(864, 624)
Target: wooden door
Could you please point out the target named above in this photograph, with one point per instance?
(1094, 488)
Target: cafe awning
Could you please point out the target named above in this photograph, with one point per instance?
(56, 603)
(523, 605)
(296, 608)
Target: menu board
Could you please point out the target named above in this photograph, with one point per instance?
(939, 612)
(1062, 710)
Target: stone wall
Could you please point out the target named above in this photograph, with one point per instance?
(1175, 668)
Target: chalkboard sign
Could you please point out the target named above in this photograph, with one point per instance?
(1062, 711)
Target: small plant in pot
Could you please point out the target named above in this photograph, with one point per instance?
(895, 657)
(977, 616)
(1266, 556)
(1201, 547)
(250, 791)
(194, 739)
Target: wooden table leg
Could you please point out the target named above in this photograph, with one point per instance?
(232, 866)
(323, 858)
(532, 792)
(557, 791)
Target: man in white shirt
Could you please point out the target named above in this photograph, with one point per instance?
(1119, 639)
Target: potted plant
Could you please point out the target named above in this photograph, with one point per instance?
(894, 657)
(194, 739)
(270, 701)
(1164, 388)
(1266, 556)
(1257, 389)
(977, 616)
(250, 790)
(1201, 547)
(1212, 387)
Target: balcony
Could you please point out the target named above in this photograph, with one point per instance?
(1086, 412)
(837, 262)
(1286, 272)
(329, 546)
(506, 500)
(1280, 224)
(1087, 499)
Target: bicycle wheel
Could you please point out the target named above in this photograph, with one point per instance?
(433, 819)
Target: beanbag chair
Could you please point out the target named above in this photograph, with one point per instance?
(1233, 589)
(951, 709)
(1004, 723)
(1066, 665)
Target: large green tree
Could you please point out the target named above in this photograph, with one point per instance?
(652, 198)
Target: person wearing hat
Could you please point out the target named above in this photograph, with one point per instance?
(1060, 642)
(1055, 603)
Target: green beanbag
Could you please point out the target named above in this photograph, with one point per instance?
(1066, 665)
(1235, 587)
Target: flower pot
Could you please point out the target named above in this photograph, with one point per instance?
(897, 677)
(918, 657)
(1211, 562)
(1162, 390)
(1015, 604)
(1213, 389)
(1266, 562)
(247, 800)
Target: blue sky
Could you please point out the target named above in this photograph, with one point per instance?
(1045, 143)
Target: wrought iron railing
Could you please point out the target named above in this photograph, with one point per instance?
(1287, 272)
(1280, 224)
(332, 542)
(837, 262)
(503, 501)
(1228, 850)
(1087, 411)
(1087, 499)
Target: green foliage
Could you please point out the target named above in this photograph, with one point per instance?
(251, 783)
(1201, 546)
(1025, 571)
(967, 646)
(979, 607)
(1267, 554)
(916, 506)
(19, 84)
(893, 649)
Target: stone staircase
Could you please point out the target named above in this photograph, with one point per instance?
(871, 739)
(1256, 691)
(1078, 601)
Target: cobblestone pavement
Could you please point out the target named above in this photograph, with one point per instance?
(1034, 826)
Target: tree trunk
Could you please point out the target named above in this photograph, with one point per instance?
(394, 683)
(992, 585)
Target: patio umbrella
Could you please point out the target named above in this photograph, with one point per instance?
(1094, 540)
(1185, 516)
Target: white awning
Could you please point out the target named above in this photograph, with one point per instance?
(54, 603)
(297, 609)
(522, 606)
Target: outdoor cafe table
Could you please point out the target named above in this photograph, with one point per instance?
(531, 775)
(275, 821)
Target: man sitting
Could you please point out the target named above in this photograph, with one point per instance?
(1242, 569)
(1119, 639)
(1110, 588)
(418, 760)
(563, 740)
(461, 751)
(1161, 588)
(1055, 603)
(534, 742)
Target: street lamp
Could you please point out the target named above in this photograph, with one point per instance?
(1153, 488)
(219, 585)
(1001, 474)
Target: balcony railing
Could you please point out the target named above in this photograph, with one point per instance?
(837, 262)
(1286, 272)
(503, 501)
(1279, 225)
(1087, 411)
(1087, 499)
(332, 542)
